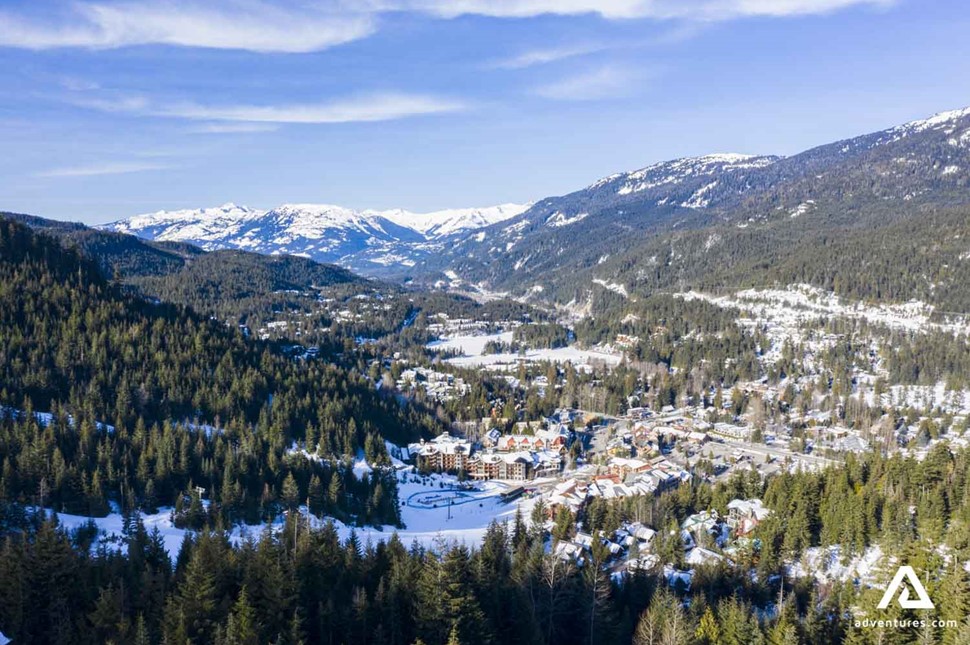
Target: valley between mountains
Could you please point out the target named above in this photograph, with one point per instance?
(737, 386)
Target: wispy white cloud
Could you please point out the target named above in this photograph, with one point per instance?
(238, 24)
(610, 81)
(234, 128)
(108, 168)
(78, 84)
(702, 10)
(374, 107)
(295, 27)
(544, 56)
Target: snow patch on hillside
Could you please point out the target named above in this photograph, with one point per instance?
(802, 208)
(698, 199)
(678, 170)
(924, 397)
(471, 349)
(938, 120)
(803, 303)
(612, 286)
(559, 218)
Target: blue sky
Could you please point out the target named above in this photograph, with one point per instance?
(118, 108)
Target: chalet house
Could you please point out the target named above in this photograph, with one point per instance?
(492, 437)
(571, 493)
(698, 524)
(701, 556)
(623, 468)
(556, 437)
(569, 551)
(745, 514)
(643, 534)
(513, 442)
(646, 562)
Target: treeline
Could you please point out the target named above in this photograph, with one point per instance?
(309, 586)
(73, 464)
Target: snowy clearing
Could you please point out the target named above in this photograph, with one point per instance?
(428, 517)
(471, 348)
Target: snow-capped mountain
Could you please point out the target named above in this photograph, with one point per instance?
(368, 241)
(456, 220)
(635, 224)
(640, 198)
(187, 225)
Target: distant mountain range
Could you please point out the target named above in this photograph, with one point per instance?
(371, 242)
(719, 220)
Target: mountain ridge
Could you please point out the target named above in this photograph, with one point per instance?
(364, 240)
(636, 227)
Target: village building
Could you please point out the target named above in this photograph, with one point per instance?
(553, 438)
(744, 515)
(516, 466)
(443, 453)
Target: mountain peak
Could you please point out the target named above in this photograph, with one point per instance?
(453, 220)
(937, 120)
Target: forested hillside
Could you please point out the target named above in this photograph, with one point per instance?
(148, 398)
(881, 257)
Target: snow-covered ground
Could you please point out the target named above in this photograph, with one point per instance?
(827, 565)
(112, 528)
(472, 346)
(794, 314)
(925, 397)
(801, 303)
(612, 286)
(463, 522)
(469, 345)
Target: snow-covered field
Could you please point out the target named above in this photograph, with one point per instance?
(472, 346)
(430, 526)
(463, 523)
